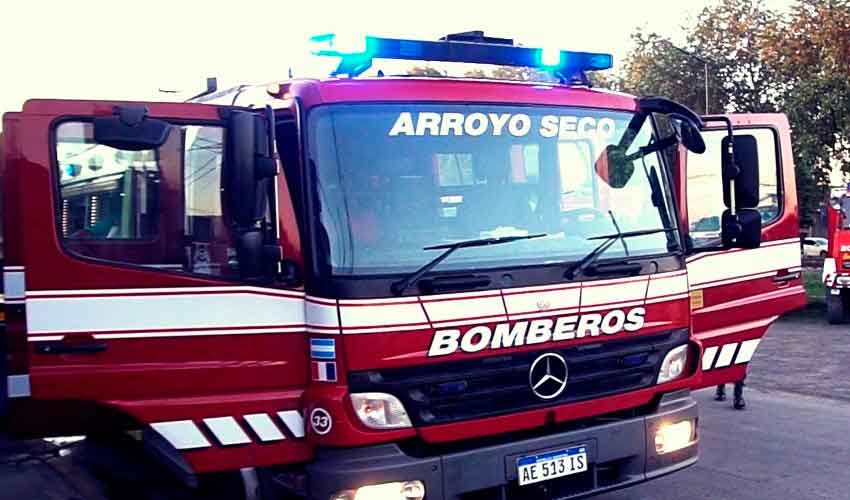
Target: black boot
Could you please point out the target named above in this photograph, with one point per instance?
(720, 394)
(739, 403)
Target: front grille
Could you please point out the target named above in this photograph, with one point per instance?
(461, 390)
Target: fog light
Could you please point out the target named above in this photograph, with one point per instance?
(407, 490)
(672, 437)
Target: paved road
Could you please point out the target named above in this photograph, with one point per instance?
(793, 441)
(784, 446)
(802, 353)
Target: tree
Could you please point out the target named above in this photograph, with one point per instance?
(727, 36)
(760, 61)
(518, 73)
(731, 35)
(425, 71)
(810, 51)
(655, 67)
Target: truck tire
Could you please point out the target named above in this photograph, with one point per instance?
(125, 472)
(219, 486)
(835, 310)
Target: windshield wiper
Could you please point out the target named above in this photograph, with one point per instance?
(609, 239)
(400, 286)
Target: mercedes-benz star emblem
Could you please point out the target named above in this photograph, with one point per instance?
(548, 375)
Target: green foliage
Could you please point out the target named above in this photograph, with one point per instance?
(761, 61)
(815, 289)
(655, 67)
(425, 71)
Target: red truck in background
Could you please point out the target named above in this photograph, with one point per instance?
(836, 265)
(389, 287)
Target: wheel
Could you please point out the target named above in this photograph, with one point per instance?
(126, 472)
(823, 254)
(835, 310)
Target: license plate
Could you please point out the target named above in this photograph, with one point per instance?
(550, 465)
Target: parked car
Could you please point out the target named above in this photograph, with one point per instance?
(706, 231)
(814, 247)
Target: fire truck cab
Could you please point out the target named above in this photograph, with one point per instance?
(391, 287)
(836, 265)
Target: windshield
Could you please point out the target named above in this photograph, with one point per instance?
(392, 179)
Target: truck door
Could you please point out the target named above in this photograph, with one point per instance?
(737, 294)
(129, 305)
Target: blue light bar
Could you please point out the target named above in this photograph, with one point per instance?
(355, 61)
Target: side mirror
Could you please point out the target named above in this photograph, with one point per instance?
(613, 167)
(690, 136)
(740, 168)
(130, 129)
(250, 164)
(741, 221)
(741, 229)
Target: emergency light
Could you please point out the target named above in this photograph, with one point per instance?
(357, 53)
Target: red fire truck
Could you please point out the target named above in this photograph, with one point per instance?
(836, 265)
(378, 287)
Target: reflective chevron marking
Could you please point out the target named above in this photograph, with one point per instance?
(227, 431)
(182, 434)
(293, 421)
(264, 427)
(230, 431)
(727, 355)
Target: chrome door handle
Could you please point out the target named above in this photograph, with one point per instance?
(783, 278)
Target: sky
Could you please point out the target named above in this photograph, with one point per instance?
(128, 50)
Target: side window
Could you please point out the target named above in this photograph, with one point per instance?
(155, 208)
(705, 195)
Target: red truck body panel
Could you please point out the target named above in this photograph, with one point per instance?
(741, 292)
(187, 353)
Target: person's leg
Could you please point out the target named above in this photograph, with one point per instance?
(720, 394)
(739, 403)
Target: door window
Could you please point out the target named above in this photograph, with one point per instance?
(154, 208)
(705, 186)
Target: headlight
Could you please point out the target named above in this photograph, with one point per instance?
(380, 411)
(408, 490)
(674, 364)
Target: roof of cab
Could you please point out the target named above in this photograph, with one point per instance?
(314, 92)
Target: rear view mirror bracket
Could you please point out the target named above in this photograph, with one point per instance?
(130, 129)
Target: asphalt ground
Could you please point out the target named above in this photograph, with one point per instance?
(792, 441)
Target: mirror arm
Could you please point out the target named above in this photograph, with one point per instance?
(728, 158)
(654, 104)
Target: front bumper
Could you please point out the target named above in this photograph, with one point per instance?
(838, 282)
(620, 453)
